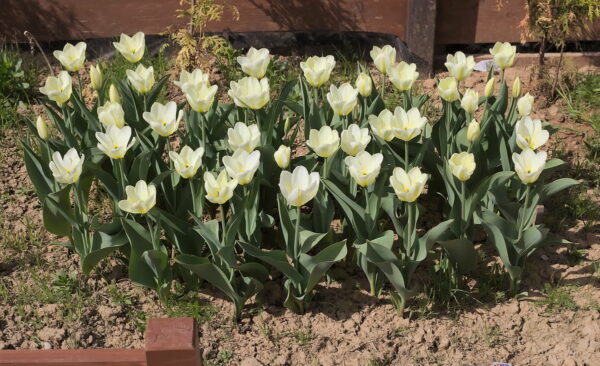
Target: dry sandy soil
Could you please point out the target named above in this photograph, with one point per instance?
(45, 303)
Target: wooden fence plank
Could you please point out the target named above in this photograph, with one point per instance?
(172, 342)
(88, 357)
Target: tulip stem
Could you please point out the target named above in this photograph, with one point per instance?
(151, 231)
(297, 237)
(463, 214)
(193, 190)
(406, 156)
(382, 86)
(223, 214)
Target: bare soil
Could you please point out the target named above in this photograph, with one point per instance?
(46, 304)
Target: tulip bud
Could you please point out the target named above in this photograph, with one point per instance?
(525, 105)
(364, 84)
(282, 156)
(470, 101)
(473, 131)
(448, 89)
(42, 128)
(96, 77)
(113, 94)
(516, 88)
(287, 125)
(489, 87)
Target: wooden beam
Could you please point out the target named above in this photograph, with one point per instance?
(74, 357)
(420, 33)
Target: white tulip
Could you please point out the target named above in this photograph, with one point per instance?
(384, 125)
(459, 65)
(383, 57)
(355, 139)
(67, 169)
(242, 165)
(317, 70)
(187, 161)
(42, 128)
(473, 131)
(163, 118)
(448, 89)
(243, 137)
(462, 165)
(525, 105)
(298, 187)
(408, 124)
(255, 63)
(364, 167)
(200, 96)
(343, 99)
(132, 48)
(72, 57)
(529, 165)
(142, 79)
(403, 75)
(249, 92)
(58, 88)
(115, 142)
(408, 186)
(470, 101)
(113, 94)
(140, 199)
(194, 79)
(219, 189)
(96, 77)
(282, 156)
(324, 142)
(364, 84)
(530, 133)
(504, 54)
(111, 114)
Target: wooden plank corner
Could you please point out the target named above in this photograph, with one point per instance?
(172, 341)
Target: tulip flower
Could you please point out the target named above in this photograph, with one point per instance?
(163, 118)
(470, 101)
(448, 89)
(355, 139)
(317, 69)
(489, 87)
(530, 134)
(72, 57)
(525, 105)
(403, 75)
(299, 187)
(140, 199)
(459, 65)
(255, 62)
(58, 88)
(384, 125)
(142, 79)
(364, 167)
(383, 57)
(115, 142)
(187, 162)
(132, 48)
(42, 128)
(200, 96)
(408, 186)
(282, 156)
(249, 92)
(324, 142)
(111, 114)
(408, 124)
(473, 131)
(243, 137)
(96, 77)
(516, 88)
(113, 94)
(343, 99)
(529, 165)
(242, 165)
(504, 54)
(67, 169)
(462, 165)
(194, 79)
(219, 189)
(364, 84)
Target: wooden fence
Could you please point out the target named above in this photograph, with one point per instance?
(169, 342)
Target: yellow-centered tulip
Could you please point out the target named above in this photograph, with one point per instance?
(283, 156)
(529, 165)
(403, 75)
(384, 125)
(383, 57)
(58, 88)
(324, 142)
(459, 65)
(242, 165)
(142, 79)
(67, 169)
(115, 142)
(140, 199)
(504, 54)
(364, 84)
(200, 96)
(255, 63)
(72, 57)
(243, 137)
(448, 89)
(462, 165)
(364, 167)
(408, 124)
(355, 139)
(343, 99)
(298, 187)
(408, 186)
(163, 118)
(132, 48)
(219, 189)
(187, 161)
(111, 114)
(317, 70)
(249, 92)
(530, 133)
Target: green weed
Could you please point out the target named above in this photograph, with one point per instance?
(556, 298)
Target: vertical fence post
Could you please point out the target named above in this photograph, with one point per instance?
(172, 342)
(420, 35)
